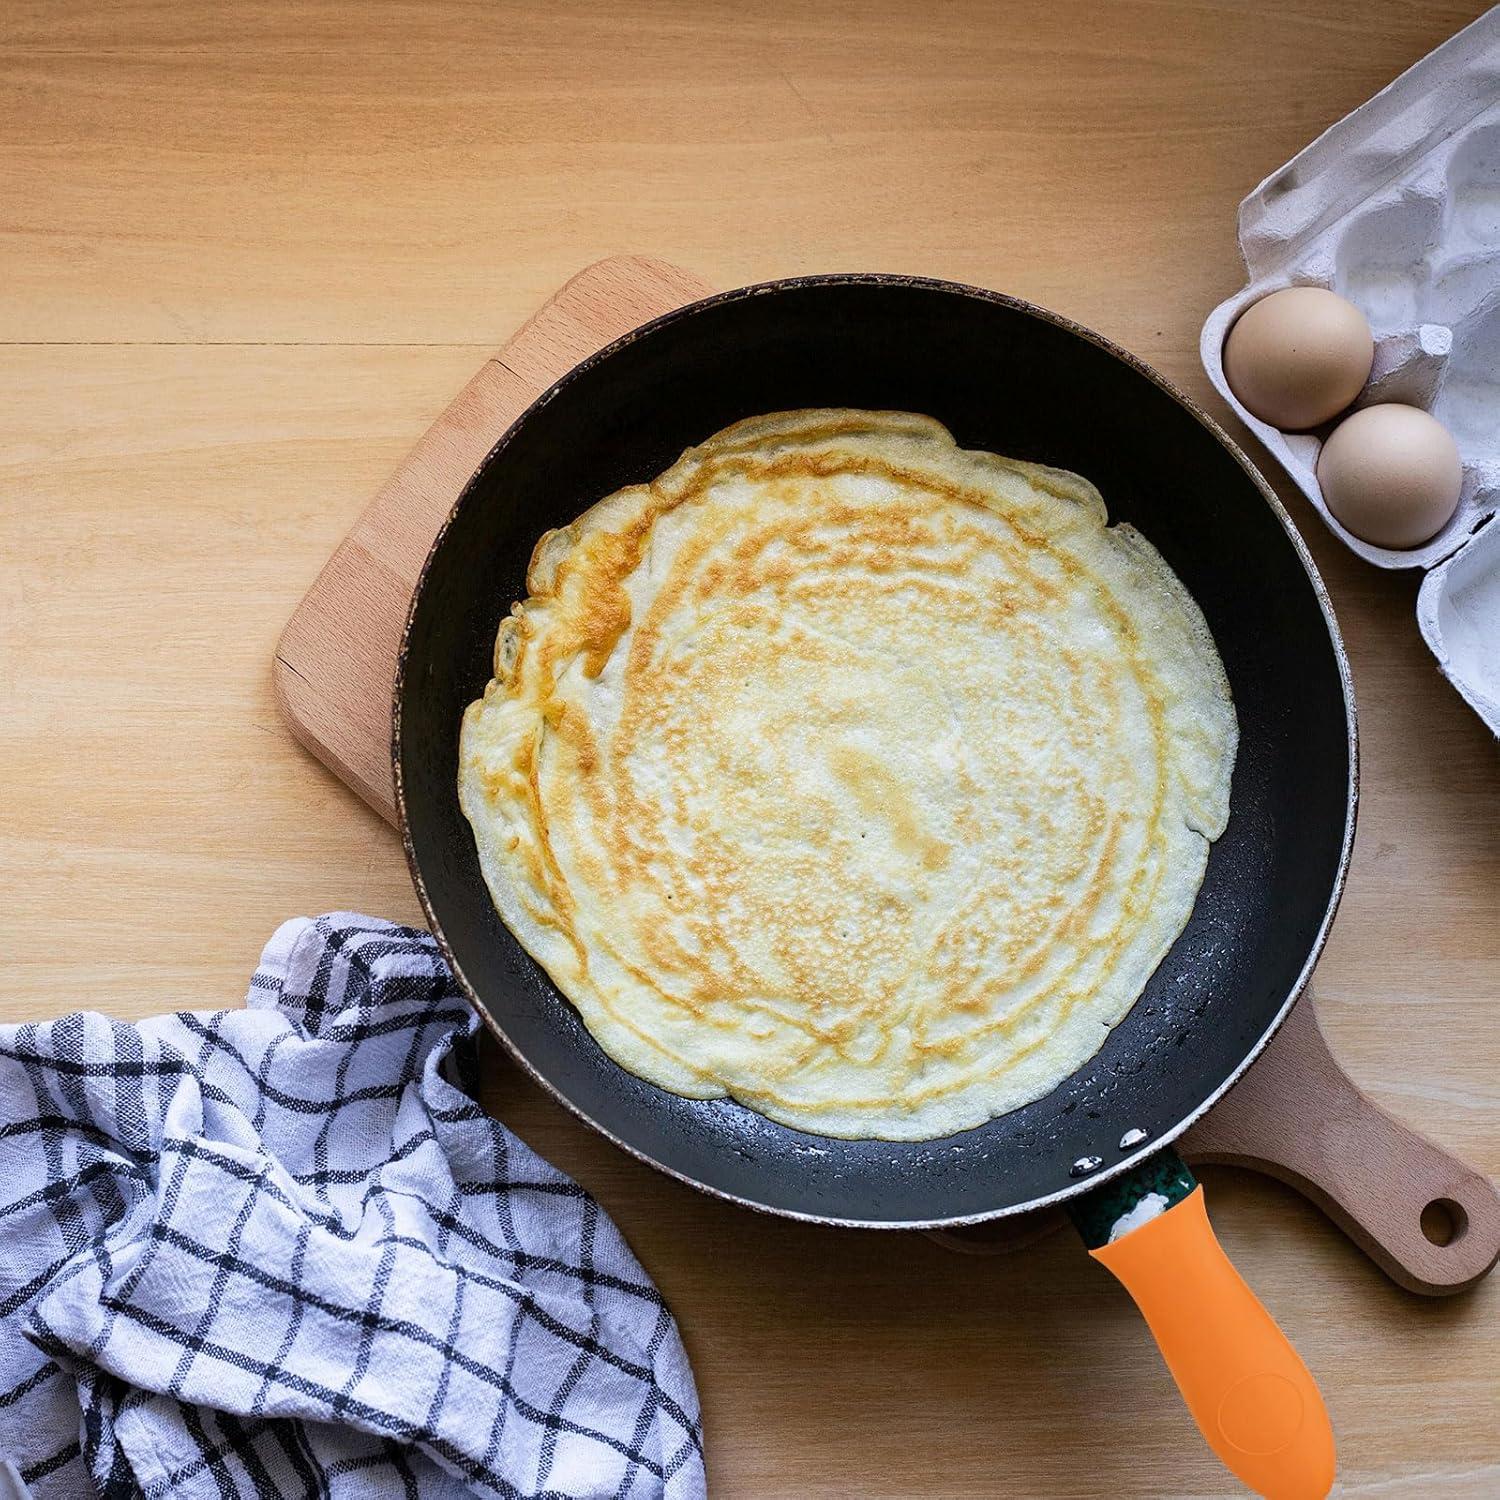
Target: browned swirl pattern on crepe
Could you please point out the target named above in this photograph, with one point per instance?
(848, 773)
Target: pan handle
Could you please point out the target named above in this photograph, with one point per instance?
(1246, 1387)
(1428, 1220)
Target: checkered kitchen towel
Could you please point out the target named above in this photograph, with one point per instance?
(280, 1251)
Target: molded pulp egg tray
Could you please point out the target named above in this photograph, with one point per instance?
(1397, 208)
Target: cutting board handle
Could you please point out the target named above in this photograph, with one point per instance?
(1430, 1222)
(1295, 1115)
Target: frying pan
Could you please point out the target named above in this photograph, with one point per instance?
(1009, 377)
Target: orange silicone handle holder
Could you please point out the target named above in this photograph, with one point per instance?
(1248, 1391)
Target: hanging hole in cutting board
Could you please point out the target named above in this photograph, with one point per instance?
(1444, 1222)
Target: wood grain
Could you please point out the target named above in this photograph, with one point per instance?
(249, 252)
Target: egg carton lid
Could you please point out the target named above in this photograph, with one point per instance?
(1370, 147)
(1458, 609)
(1284, 228)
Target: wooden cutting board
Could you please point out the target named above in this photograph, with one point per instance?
(1428, 1220)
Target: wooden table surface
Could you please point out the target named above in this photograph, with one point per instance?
(248, 251)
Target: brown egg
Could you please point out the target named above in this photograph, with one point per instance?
(1391, 474)
(1298, 357)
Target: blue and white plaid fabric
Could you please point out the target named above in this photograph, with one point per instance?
(280, 1251)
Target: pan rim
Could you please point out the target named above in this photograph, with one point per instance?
(1198, 414)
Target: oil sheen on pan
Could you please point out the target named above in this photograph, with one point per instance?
(850, 774)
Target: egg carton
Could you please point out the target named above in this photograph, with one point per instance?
(1397, 208)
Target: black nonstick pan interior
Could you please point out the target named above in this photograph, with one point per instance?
(1005, 377)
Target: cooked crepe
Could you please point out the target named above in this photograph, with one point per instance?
(853, 775)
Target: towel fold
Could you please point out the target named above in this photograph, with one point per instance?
(280, 1251)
